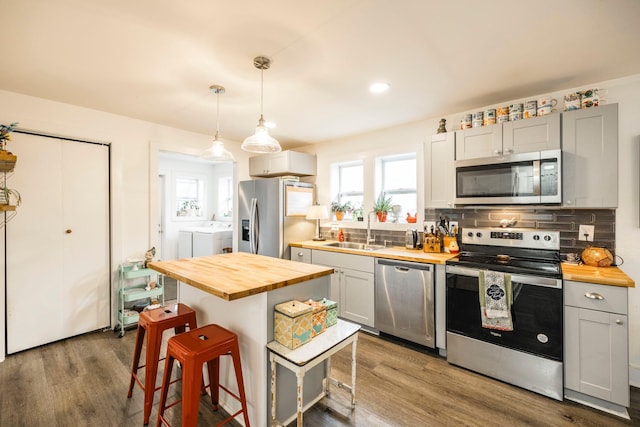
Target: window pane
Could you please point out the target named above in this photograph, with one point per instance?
(399, 174)
(351, 179)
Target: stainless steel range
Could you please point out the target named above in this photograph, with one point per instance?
(504, 307)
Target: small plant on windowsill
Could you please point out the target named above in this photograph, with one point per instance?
(340, 209)
(382, 207)
(358, 212)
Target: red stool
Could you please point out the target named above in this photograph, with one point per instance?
(193, 349)
(155, 322)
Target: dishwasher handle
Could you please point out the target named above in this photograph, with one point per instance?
(403, 266)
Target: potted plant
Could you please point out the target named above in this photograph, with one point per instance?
(7, 160)
(358, 212)
(7, 194)
(382, 206)
(339, 209)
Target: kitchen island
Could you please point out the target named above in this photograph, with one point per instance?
(239, 291)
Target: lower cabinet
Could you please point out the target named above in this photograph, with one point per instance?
(596, 344)
(352, 284)
(300, 255)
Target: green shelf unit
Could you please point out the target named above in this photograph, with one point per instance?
(133, 280)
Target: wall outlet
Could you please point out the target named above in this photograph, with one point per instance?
(585, 233)
(428, 225)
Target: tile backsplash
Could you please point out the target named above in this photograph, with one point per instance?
(566, 221)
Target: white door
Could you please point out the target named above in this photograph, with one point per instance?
(58, 244)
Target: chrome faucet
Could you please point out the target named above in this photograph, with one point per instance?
(370, 239)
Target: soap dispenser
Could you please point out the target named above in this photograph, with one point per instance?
(340, 236)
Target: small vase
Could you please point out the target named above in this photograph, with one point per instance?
(339, 216)
(382, 216)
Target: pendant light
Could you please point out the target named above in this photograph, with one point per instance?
(261, 141)
(217, 152)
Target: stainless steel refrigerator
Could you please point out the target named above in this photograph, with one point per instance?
(272, 213)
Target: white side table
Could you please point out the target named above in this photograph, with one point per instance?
(319, 349)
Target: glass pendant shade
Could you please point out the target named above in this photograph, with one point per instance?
(217, 152)
(261, 141)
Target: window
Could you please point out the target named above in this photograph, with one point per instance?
(225, 197)
(397, 176)
(189, 196)
(350, 184)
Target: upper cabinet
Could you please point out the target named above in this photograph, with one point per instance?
(520, 136)
(283, 163)
(590, 157)
(439, 158)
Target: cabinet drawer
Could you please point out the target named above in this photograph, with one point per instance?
(300, 255)
(614, 298)
(341, 260)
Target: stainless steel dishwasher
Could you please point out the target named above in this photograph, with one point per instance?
(405, 300)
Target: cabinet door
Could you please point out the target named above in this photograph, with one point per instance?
(439, 158)
(485, 141)
(357, 296)
(534, 134)
(596, 354)
(258, 165)
(590, 157)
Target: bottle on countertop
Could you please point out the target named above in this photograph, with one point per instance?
(340, 236)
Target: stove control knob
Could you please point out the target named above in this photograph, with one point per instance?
(547, 238)
(470, 234)
(536, 237)
(478, 234)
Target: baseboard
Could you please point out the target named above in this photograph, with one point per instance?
(596, 403)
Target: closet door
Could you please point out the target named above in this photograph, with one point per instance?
(58, 245)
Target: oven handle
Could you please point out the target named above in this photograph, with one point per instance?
(515, 278)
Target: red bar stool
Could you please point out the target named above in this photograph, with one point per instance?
(193, 349)
(155, 322)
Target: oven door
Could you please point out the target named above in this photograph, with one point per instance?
(536, 312)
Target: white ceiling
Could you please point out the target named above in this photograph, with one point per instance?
(155, 59)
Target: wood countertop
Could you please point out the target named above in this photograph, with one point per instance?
(238, 274)
(599, 275)
(396, 252)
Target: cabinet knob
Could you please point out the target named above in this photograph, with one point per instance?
(68, 231)
(594, 295)
(300, 254)
(509, 150)
(568, 202)
(497, 152)
(618, 322)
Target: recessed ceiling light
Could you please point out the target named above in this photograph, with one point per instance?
(379, 87)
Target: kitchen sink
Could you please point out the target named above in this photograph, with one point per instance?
(353, 245)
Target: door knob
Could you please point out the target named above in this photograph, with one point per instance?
(68, 231)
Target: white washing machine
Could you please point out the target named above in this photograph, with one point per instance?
(205, 240)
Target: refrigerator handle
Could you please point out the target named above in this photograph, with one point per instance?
(254, 228)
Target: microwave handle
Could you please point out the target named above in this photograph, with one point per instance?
(536, 177)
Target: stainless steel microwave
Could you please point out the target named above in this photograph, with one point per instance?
(525, 178)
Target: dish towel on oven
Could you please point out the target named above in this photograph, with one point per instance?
(496, 297)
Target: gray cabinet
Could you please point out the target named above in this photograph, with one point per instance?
(521, 136)
(300, 255)
(283, 163)
(352, 284)
(590, 157)
(440, 182)
(474, 143)
(596, 344)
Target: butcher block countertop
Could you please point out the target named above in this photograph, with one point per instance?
(238, 274)
(600, 275)
(396, 252)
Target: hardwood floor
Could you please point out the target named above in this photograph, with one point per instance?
(83, 381)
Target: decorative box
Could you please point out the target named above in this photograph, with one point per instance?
(319, 318)
(293, 323)
(332, 311)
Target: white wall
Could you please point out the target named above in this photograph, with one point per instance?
(625, 92)
(134, 148)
